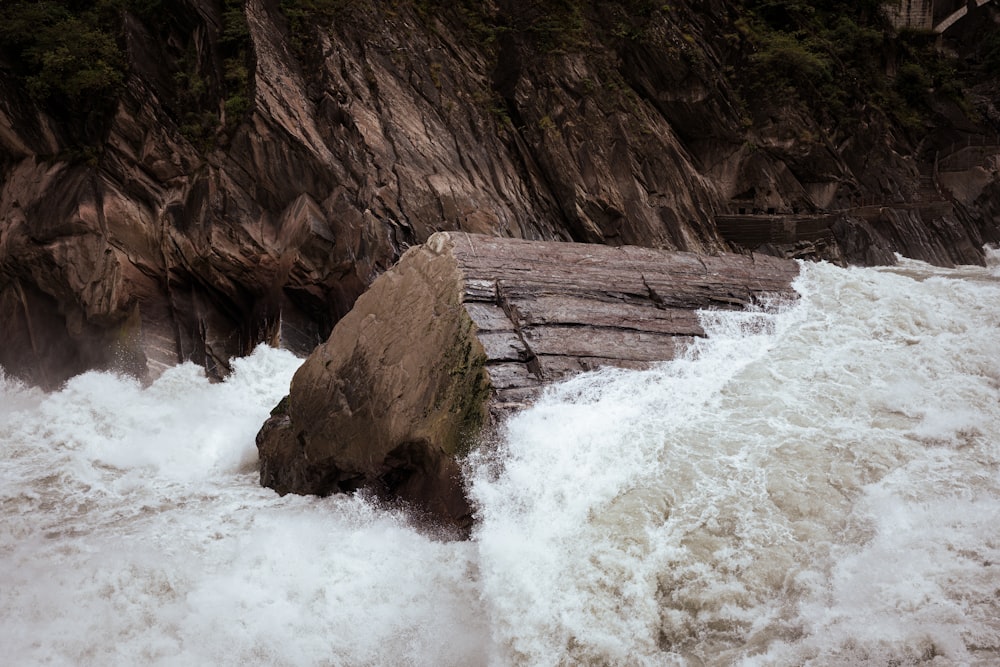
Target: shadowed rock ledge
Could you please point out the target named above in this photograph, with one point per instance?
(467, 327)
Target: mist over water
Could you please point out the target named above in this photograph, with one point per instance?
(816, 484)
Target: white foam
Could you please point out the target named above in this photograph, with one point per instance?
(815, 486)
(993, 259)
(133, 532)
(706, 510)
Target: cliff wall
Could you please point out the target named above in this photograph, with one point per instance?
(258, 166)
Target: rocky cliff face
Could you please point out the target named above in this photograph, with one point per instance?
(185, 226)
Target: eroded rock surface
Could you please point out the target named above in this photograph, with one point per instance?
(466, 327)
(188, 226)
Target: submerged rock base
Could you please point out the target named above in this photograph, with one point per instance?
(466, 328)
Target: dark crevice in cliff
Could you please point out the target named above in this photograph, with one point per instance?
(529, 358)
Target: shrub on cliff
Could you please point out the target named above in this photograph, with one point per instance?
(69, 57)
(65, 52)
(835, 59)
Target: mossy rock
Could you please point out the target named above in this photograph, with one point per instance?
(465, 329)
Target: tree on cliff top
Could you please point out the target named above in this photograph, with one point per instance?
(835, 58)
(69, 57)
(65, 51)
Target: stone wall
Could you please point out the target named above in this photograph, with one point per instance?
(912, 14)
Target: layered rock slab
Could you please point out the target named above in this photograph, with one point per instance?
(466, 328)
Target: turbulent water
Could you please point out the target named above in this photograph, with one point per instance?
(814, 486)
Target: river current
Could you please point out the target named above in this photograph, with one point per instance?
(818, 484)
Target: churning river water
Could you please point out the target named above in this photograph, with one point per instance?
(818, 485)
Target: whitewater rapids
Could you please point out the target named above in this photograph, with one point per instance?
(818, 484)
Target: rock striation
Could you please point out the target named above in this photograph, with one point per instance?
(186, 227)
(466, 328)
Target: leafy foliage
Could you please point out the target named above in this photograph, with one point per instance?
(834, 57)
(305, 16)
(235, 46)
(68, 54)
(64, 53)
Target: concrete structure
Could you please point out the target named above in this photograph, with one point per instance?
(931, 15)
(957, 15)
(751, 231)
(913, 14)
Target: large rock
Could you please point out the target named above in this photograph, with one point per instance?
(465, 327)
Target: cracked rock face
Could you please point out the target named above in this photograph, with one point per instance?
(466, 328)
(163, 246)
(161, 249)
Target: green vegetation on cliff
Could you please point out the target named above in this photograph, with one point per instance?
(70, 57)
(839, 62)
(837, 59)
(200, 96)
(66, 52)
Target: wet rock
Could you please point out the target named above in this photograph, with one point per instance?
(466, 328)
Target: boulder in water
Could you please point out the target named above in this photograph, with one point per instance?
(466, 328)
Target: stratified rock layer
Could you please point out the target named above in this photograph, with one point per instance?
(468, 326)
